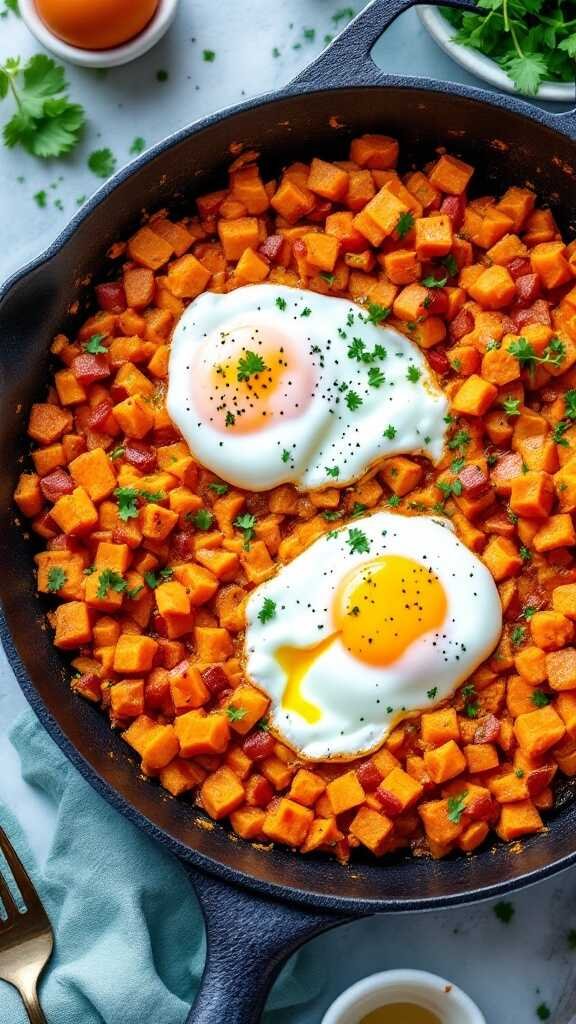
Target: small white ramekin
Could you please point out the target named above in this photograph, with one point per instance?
(123, 54)
(484, 67)
(436, 994)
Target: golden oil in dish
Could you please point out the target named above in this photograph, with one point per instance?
(401, 1013)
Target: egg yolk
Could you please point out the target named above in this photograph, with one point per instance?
(380, 609)
(255, 377)
(96, 24)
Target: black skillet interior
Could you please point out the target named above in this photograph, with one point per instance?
(506, 147)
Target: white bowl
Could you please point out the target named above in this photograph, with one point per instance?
(478, 64)
(141, 43)
(436, 994)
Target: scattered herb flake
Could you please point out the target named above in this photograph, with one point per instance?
(405, 223)
(203, 519)
(250, 364)
(102, 162)
(357, 541)
(94, 345)
(457, 806)
(138, 145)
(57, 578)
(504, 911)
(246, 523)
(267, 611)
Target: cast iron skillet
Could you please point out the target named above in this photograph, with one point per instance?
(260, 904)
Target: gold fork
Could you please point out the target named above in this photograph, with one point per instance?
(26, 939)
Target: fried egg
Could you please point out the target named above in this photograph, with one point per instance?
(385, 616)
(271, 385)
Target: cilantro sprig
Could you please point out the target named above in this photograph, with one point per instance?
(57, 578)
(250, 364)
(46, 124)
(246, 523)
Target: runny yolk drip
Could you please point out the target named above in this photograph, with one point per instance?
(254, 377)
(385, 605)
(381, 608)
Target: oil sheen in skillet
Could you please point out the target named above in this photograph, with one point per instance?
(270, 385)
(382, 617)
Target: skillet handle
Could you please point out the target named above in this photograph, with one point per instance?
(347, 61)
(248, 939)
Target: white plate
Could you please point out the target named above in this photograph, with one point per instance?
(478, 64)
(123, 54)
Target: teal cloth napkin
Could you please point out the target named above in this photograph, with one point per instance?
(129, 932)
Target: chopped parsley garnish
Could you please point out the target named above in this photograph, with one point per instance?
(246, 523)
(504, 911)
(235, 714)
(511, 406)
(230, 419)
(306, 311)
(117, 453)
(328, 277)
(519, 773)
(358, 509)
(250, 364)
(281, 303)
(456, 807)
(209, 56)
(449, 487)
(41, 199)
(353, 400)
(558, 433)
(433, 282)
(528, 612)
(390, 432)
(394, 500)
(431, 694)
(540, 699)
(357, 541)
(94, 346)
(138, 146)
(450, 263)
(543, 1012)
(267, 611)
(333, 471)
(376, 313)
(457, 464)
(518, 635)
(525, 554)
(128, 497)
(154, 580)
(553, 354)
(413, 374)
(102, 162)
(405, 224)
(202, 519)
(218, 488)
(331, 514)
(110, 580)
(375, 377)
(57, 578)
(461, 439)
(285, 455)
(570, 404)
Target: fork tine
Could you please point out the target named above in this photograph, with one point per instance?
(7, 899)
(29, 894)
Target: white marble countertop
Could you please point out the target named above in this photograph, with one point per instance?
(508, 969)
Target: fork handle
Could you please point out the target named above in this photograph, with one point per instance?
(32, 1006)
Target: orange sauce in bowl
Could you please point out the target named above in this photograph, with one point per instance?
(96, 24)
(401, 1013)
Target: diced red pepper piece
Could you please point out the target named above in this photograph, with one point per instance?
(488, 730)
(88, 685)
(539, 313)
(157, 691)
(462, 324)
(216, 679)
(474, 481)
(209, 204)
(56, 484)
(480, 808)
(111, 296)
(142, 456)
(438, 304)
(390, 802)
(438, 360)
(45, 523)
(258, 745)
(88, 369)
(158, 621)
(455, 208)
(63, 542)
(528, 289)
(182, 544)
(261, 791)
(539, 778)
(519, 267)
(98, 415)
(320, 211)
(272, 248)
(166, 435)
(368, 776)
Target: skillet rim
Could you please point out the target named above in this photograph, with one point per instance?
(557, 123)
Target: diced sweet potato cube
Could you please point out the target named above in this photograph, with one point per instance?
(75, 513)
(180, 776)
(156, 522)
(434, 236)
(127, 698)
(532, 494)
(406, 790)
(440, 726)
(537, 731)
(247, 822)
(252, 268)
(323, 832)
(223, 564)
(384, 210)
(148, 249)
(93, 471)
(530, 663)
(172, 599)
(345, 792)
(551, 630)
(306, 787)
(518, 819)
(221, 793)
(561, 669)
(250, 705)
(212, 643)
(199, 733)
(28, 495)
(187, 688)
(556, 532)
(134, 417)
(564, 600)
(374, 151)
(439, 827)
(451, 175)
(444, 762)
(291, 201)
(481, 757)
(372, 829)
(327, 180)
(134, 654)
(48, 422)
(200, 583)
(288, 823)
(72, 625)
(401, 474)
(474, 397)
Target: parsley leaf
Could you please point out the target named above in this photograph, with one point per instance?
(511, 406)
(138, 146)
(235, 714)
(358, 541)
(405, 224)
(267, 611)
(376, 313)
(431, 694)
(333, 471)
(433, 282)
(329, 278)
(246, 523)
(154, 580)
(353, 401)
(375, 377)
(102, 162)
(110, 580)
(413, 374)
(250, 364)
(457, 806)
(390, 432)
(504, 911)
(518, 635)
(128, 497)
(450, 263)
(94, 346)
(57, 578)
(202, 519)
(209, 56)
(570, 404)
(45, 124)
(540, 699)
(218, 488)
(394, 500)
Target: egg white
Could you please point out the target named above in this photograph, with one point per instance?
(361, 703)
(306, 449)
